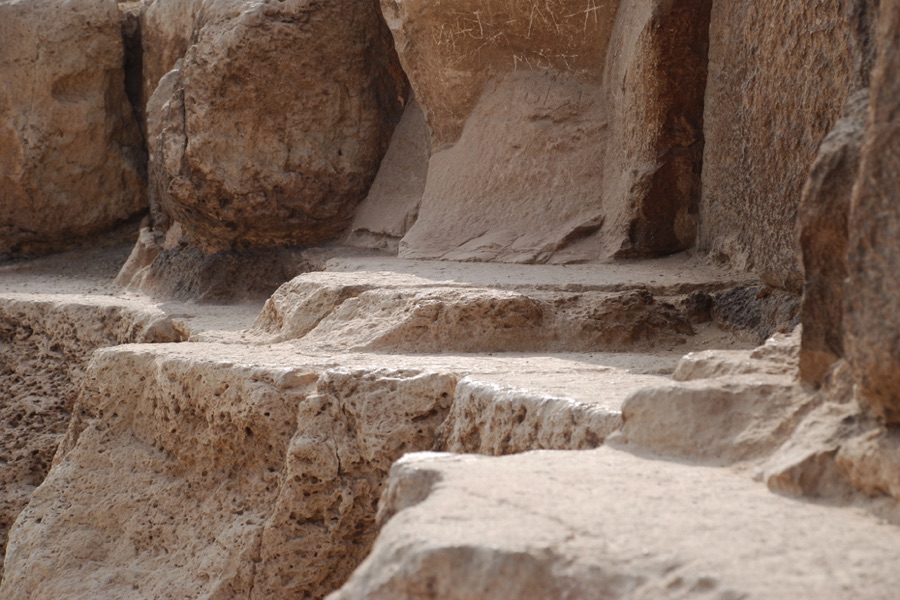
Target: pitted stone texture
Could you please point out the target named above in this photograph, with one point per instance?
(129, 499)
(498, 420)
(873, 293)
(275, 494)
(779, 75)
(71, 157)
(348, 434)
(44, 349)
(271, 130)
(621, 527)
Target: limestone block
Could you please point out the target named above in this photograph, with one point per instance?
(873, 295)
(715, 421)
(274, 124)
(541, 152)
(44, 349)
(779, 74)
(497, 420)
(71, 157)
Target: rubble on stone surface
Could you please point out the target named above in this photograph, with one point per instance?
(493, 299)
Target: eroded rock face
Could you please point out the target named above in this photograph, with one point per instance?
(779, 75)
(271, 129)
(873, 293)
(542, 154)
(71, 157)
(823, 240)
(44, 350)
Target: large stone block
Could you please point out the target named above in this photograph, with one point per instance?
(271, 129)
(780, 72)
(71, 157)
(873, 294)
(542, 153)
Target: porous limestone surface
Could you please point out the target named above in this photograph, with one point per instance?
(276, 492)
(607, 524)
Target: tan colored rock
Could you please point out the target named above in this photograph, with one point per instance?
(779, 75)
(606, 524)
(166, 30)
(498, 420)
(524, 113)
(276, 492)
(71, 157)
(348, 434)
(873, 294)
(412, 316)
(392, 204)
(716, 421)
(823, 240)
(286, 110)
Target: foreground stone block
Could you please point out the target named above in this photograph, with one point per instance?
(873, 293)
(623, 527)
(71, 157)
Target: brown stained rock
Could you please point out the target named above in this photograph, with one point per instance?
(823, 240)
(271, 130)
(780, 72)
(542, 154)
(656, 71)
(166, 29)
(872, 306)
(392, 204)
(71, 157)
(756, 312)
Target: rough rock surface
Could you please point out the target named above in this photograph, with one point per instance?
(779, 75)
(536, 118)
(823, 240)
(623, 527)
(44, 348)
(271, 129)
(873, 293)
(71, 157)
(277, 493)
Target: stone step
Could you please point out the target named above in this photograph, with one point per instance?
(210, 468)
(607, 524)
